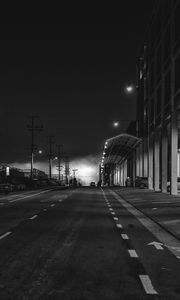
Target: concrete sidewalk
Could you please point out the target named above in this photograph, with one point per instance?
(162, 208)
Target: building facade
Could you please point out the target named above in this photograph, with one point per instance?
(157, 156)
(158, 103)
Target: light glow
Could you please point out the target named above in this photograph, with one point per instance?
(116, 124)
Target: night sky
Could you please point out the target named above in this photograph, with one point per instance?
(72, 76)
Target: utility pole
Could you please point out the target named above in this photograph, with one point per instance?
(33, 128)
(67, 169)
(50, 142)
(59, 155)
(74, 172)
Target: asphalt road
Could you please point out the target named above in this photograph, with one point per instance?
(82, 244)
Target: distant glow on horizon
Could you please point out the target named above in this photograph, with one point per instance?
(88, 168)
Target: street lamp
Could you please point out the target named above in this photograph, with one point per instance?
(130, 88)
(117, 123)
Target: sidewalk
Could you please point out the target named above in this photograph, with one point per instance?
(162, 208)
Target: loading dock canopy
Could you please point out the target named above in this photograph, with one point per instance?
(117, 148)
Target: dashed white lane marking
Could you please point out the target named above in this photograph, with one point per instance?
(112, 212)
(115, 219)
(132, 253)
(34, 217)
(5, 234)
(45, 209)
(147, 284)
(119, 226)
(32, 195)
(164, 237)
(111, 209)
(124, 236)
(52, 205)
(154, 208)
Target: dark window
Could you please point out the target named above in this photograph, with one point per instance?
(177, 74)
(158, 101)
(158, 25)
(177, 23)
(158, 64)
(167, 88)
(152, 110)
(166, 10)
(167, 44)
(152, 78)
(152, 43)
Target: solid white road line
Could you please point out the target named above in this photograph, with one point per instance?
(124, 236)
(132, 253)
(5, 234)
(29, 196)
(161, 202)
(147, 284)
(34, 217)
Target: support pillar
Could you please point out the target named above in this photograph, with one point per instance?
(174, 146)
(156, 162)
(164, 159)
(150, 163)
(134, 168)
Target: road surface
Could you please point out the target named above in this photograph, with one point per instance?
(83, 244)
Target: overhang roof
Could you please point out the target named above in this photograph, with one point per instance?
(117, 148)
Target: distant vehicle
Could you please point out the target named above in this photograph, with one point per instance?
(169, 184)
(141, 182)
(6, 188)
(92, 184)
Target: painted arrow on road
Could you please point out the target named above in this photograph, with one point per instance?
(157, 245)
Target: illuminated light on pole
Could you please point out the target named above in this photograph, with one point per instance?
(130, 88)
(116, 123)
(40, 151)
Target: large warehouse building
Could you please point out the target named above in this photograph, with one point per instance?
(154, 151)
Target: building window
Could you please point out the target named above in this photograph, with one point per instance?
(167, 44)
(158, 64)
(167, 88)
(158, 101)
(177, 74)
(177, 23)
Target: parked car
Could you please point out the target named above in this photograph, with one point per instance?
(19, 187)
(6, 188)
(169, 184)
(92, 184)
(141, 182)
